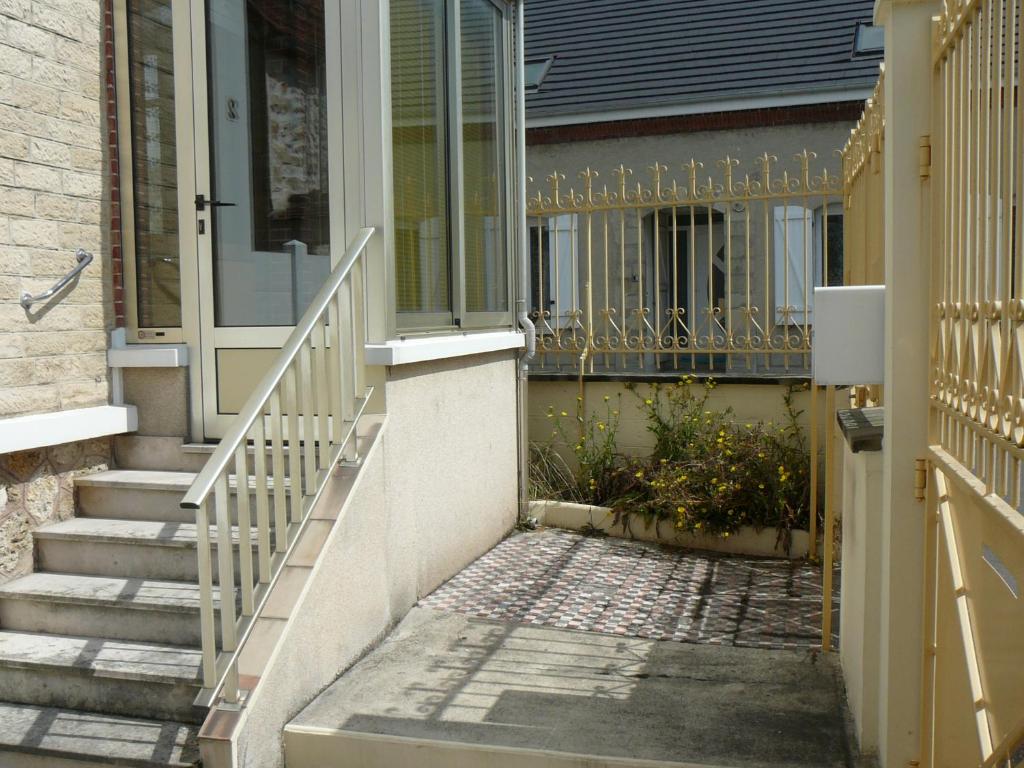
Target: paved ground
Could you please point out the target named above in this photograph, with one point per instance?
(556, 650)
(449, 690)
(561, 579)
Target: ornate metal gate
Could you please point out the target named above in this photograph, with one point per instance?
(973, 702)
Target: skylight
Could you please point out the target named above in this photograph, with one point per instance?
(868, 40)
(535, 70)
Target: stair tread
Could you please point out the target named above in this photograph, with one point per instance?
(146, 532)
(100, 657)
(143, 594)
(154, 480)
(120, 740)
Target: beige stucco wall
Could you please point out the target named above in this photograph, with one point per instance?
(861, 590)
(639, 153)
(54, 198)
(437, 492)
(750, 402)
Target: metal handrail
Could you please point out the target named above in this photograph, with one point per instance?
(84, 260)
(254, 406)
(315, 395)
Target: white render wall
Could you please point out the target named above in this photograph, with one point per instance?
(438, 491)
(53, 199)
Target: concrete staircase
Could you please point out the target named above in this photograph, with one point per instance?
(99, 648)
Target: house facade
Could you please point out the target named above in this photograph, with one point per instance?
(295, 227)
(722, 129)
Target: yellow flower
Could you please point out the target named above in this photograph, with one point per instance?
(725, 535)
(615, 413)
(606, 398)
(648, 401)
(565, 413)
(579, 398)
(640, 473)
(697, 525)
(761, 486)
(600, 425)
(664, 461)
(680, 510)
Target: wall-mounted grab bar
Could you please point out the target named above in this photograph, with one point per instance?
(84, 259)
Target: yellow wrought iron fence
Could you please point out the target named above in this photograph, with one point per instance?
(864, 209)
(864, 194)
(974, 552)
(687, 272)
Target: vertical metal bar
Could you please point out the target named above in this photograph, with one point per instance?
(262, 511)
(815, 418)
(207, 630)
(278, 479)
(323, 429)
(344, 303)
(225, 565)
(308, 405)
(829, 531)
(357, 279)
(290, 387)
(244, 526)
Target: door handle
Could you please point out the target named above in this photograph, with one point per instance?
(202, 202)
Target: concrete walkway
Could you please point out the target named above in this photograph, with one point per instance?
(526, 690)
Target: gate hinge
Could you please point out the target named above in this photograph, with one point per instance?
(924, 156)
(920, 478)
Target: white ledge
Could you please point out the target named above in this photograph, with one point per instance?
(148, 356)
(421, 349)
(23, 433)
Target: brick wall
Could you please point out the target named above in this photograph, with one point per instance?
(54, 198)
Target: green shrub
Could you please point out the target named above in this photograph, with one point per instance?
(706, 474)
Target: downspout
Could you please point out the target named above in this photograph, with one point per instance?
(524, 269)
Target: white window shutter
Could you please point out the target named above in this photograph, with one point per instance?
(794, 262)
(562, 231)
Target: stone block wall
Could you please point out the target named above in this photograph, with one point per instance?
(36, 488)
(54, 198)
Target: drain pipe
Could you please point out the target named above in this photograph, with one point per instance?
(524, 269)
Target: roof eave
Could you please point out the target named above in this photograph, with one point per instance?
(704, 106)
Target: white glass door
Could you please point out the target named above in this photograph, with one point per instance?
(262, 201)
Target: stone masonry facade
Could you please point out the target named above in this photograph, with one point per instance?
(36, 488)
(54, 198)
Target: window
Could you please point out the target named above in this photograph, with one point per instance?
(808, 244)
(450, 113)
(535, 70)
(554, 269)
(868, 40)
(151, 186)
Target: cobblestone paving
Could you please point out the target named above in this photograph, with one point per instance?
(563, 579)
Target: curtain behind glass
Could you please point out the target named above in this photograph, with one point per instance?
(483, 139)
(422, 261)
(154, 164)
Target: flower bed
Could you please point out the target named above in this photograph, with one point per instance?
(707, 480)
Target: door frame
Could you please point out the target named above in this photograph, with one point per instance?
(194, 177)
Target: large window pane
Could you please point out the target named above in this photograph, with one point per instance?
(420, 158)
(154, 164)
(268, 120)
(483, 166)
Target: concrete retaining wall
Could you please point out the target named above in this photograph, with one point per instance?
(439, 489)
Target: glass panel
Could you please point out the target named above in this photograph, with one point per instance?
(422, 260)
(268, 130)
(483, 121)
(154, 163)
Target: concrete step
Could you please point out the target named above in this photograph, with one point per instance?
(150, 452)
(47, 737)
(101, 606)
(139, 549)
(99, 675)
(132, 494)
